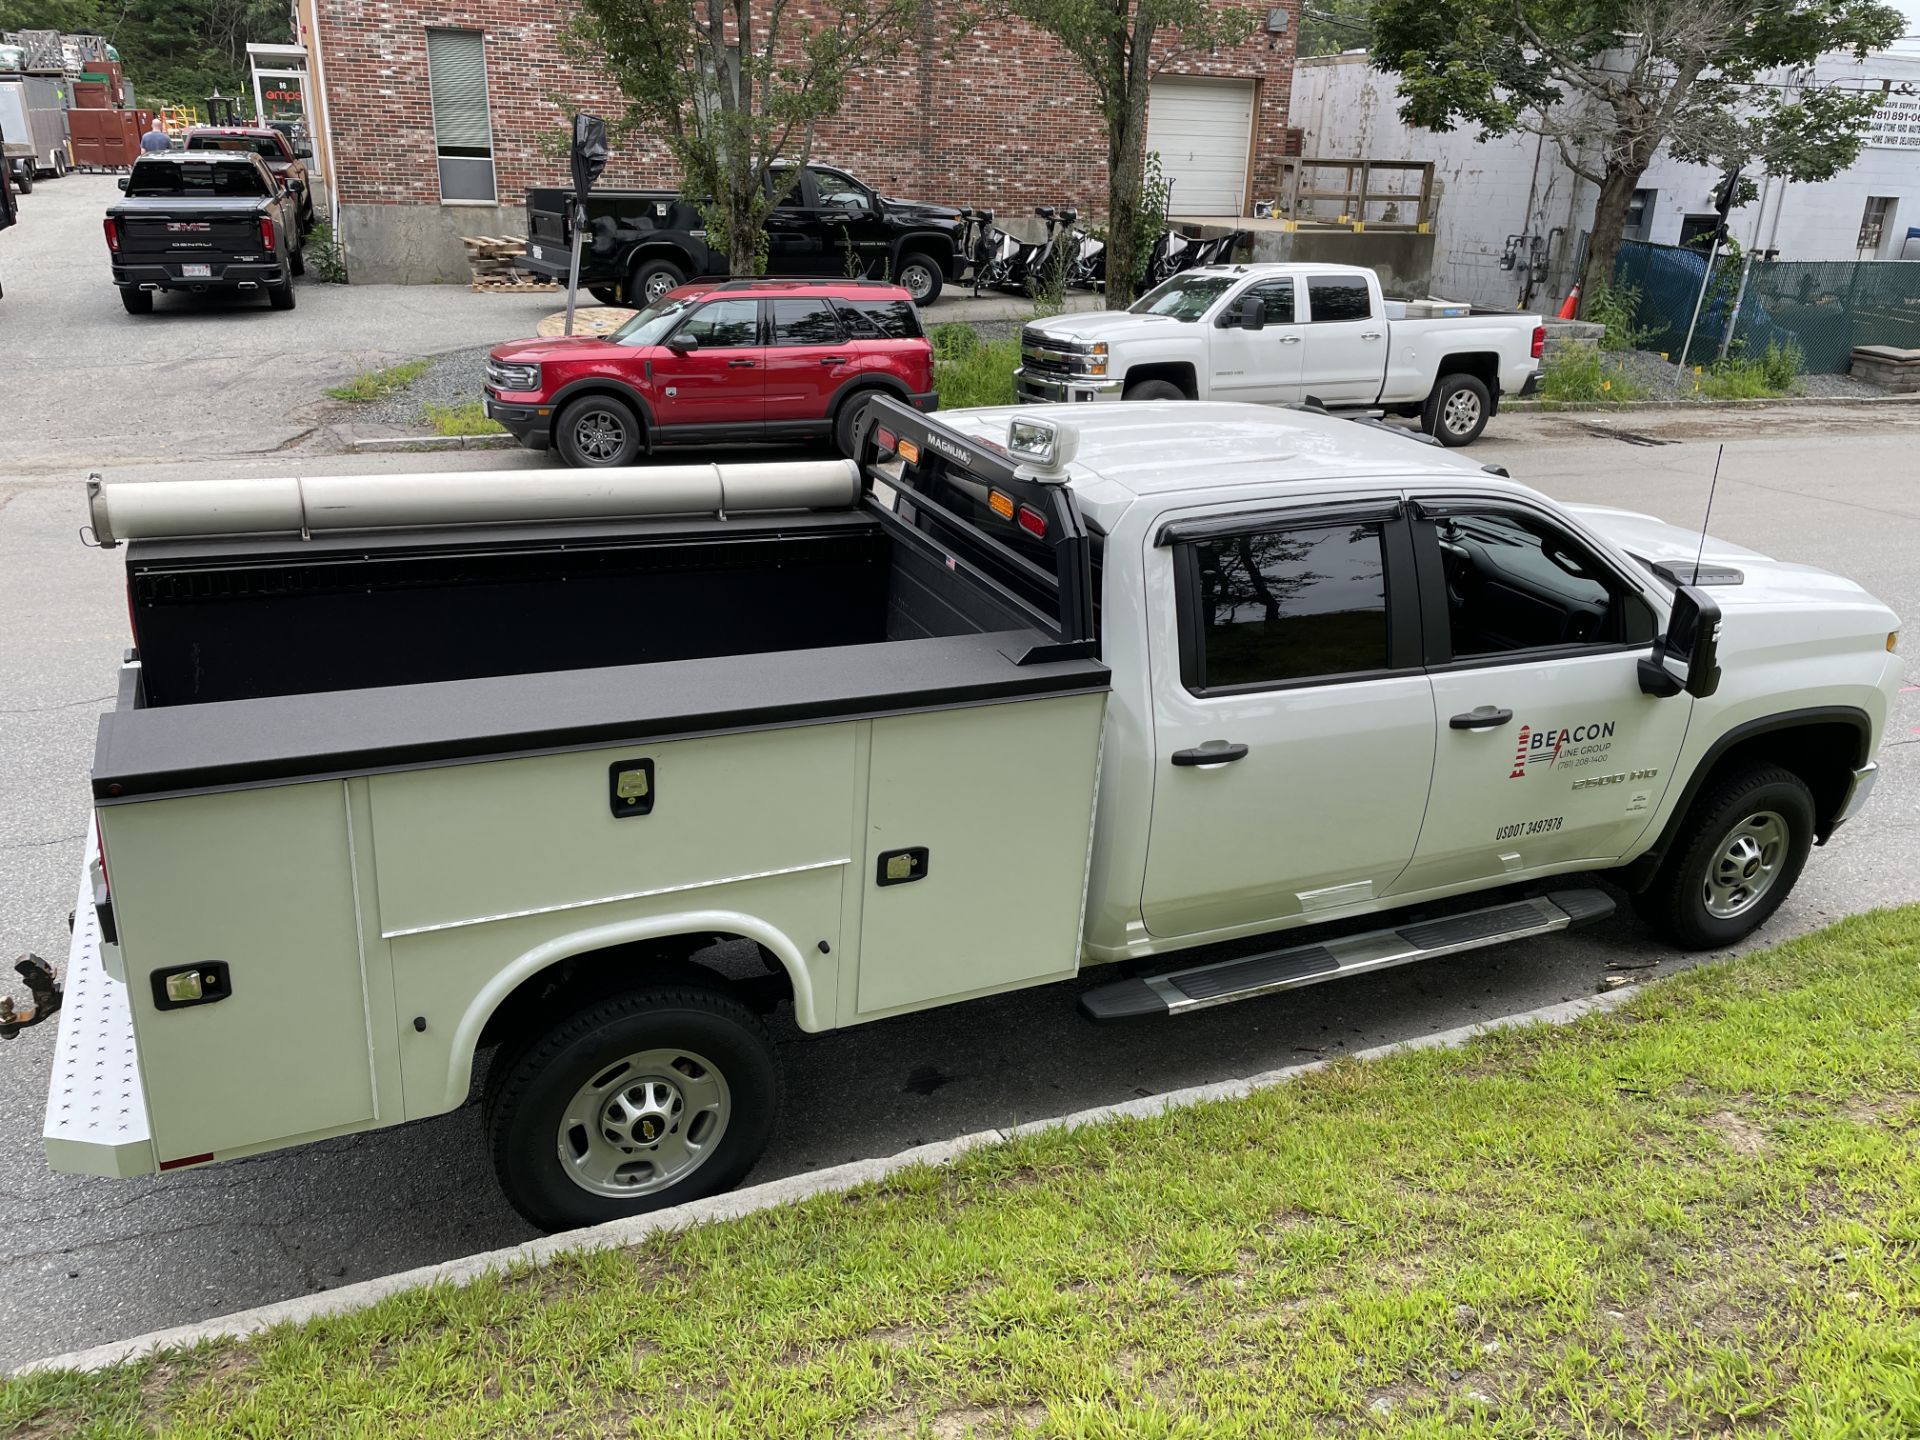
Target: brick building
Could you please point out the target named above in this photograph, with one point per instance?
(434, 121)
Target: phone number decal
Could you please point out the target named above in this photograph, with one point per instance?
(1520, 828)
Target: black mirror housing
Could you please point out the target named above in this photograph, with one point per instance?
(1253, 314)
(1687, 657)
(122, 183)
(680, 344)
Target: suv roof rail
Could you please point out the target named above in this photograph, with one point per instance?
(743, 282)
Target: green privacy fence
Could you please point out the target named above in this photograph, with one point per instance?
(1826, 307)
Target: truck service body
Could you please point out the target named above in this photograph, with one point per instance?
(1287, 333)
(404, 767)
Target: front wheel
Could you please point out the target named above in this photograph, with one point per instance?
(1738, 854)
(1154, 390)
(596, 432)
(921, 277)
(1457, 410)
(297, 261)
(645, 1100)
(23, 179)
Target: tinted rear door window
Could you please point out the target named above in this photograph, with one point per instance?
(1282, 606)
(805, 322)
(1338, 297)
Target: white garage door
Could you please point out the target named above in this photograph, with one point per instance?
(1202, 129)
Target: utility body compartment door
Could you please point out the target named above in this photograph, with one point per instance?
(1293, 726)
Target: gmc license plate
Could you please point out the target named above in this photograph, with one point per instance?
(196, 272)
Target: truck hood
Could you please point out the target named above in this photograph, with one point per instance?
(919, 209)
(1763, 579)
(1111, 325)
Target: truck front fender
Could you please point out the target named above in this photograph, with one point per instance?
(493, 994)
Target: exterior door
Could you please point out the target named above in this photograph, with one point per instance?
(847, 216)
(722, 381)
(1345, 342)
(1259, 365)
(1203, 131)
(1548, 752)
(1293, 725)
(809, 357)
(793, 239)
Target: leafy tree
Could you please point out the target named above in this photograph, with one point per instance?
(1122, 45)
(731, 90)
(1329, 26)
(1610, 81)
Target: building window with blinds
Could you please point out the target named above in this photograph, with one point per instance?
(462, 131)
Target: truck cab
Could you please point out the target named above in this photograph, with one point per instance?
(1288, 334)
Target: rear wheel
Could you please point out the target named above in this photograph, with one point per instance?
(844, 417)
(1154, 390)
(281, 296)
(23, 179)
(654, 278)
(138, 302)
(1738, 854)
(920, 276)
(644, 1100)
(1457, 410)
(297, 261)
(598, 431)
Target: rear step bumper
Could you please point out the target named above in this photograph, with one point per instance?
(1229, 980)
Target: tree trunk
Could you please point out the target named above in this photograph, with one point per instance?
(1123, 216)
(1609, 226)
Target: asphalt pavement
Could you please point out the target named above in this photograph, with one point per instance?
(87, 1260)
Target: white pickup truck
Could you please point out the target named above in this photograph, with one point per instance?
(404, 768)
(1287, 334)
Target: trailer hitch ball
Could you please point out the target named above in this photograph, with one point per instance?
(46, 997)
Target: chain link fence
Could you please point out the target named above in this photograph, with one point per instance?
(1825, 307)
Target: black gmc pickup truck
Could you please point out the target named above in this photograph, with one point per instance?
(204, 220)
(642, 243)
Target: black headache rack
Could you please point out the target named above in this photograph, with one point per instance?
(964, 499)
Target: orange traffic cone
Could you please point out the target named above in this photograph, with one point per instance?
(1571, 308)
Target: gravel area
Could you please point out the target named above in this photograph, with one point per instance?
(1664, 384)
(453, 379)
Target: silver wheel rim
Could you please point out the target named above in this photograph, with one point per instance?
(658, 285)
(644, 1123)
(1745, 865)
(1462, 412)
(599, 436)
(918, 281)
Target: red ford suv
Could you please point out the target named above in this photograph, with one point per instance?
(716, 362)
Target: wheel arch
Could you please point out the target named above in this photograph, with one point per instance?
(1821, 744)
(854, 386)
(1482, 365)
(1179, 372)
(931, 243)
(544, 959)
(602, 385)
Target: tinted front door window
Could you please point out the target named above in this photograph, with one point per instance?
(1515, 583)
(725, 324)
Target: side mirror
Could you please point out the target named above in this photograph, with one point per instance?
(681, 343)
(1253, 314)
(303, 151)
(122, 183)
(1687, 657)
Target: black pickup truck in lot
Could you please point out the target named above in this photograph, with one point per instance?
(642, 243)
(202, 221)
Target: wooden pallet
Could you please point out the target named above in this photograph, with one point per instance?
(490, 261)
(516, 282)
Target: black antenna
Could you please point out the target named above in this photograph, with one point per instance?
(1718, 456)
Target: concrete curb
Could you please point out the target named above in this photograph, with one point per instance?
(1539, 407)
(619, 1233)
(431, 442)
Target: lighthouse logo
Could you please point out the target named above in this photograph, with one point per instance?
(1547, 746)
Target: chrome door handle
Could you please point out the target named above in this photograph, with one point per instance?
(1485, 718)
(834, 359)
(1213, 753)
(739, 364)
(1289, 339)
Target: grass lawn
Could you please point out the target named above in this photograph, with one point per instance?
(1699, 1215)
(469, 418)
(969, 371)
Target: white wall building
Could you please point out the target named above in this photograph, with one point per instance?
(1516, 186)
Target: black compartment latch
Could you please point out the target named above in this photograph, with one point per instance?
(183, 985)
(630, 788)
(901, 867)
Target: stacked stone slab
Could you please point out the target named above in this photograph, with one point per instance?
(1889, 367)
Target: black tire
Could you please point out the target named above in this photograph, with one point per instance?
(920, 276)
(138, 302)
(606, 294)
(530, 1091)
(297, 261)
(597, 432)
(653, 278)
(844, 417)
(281, 297)
(1154, 390)
(1457, 410)
(23, 179)
(1677, 905)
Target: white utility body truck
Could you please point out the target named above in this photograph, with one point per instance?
(1288, 334)
(406, 767)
